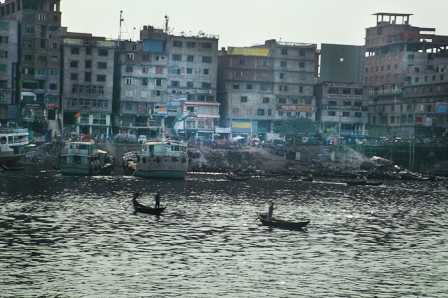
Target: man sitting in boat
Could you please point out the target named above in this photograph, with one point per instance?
(134, 199)
(157, 198)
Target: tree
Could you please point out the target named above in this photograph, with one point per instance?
(295, 127)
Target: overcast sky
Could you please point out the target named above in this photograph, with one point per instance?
(248, 22)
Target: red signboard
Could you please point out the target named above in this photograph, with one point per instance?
(296, 108)
(52, 105)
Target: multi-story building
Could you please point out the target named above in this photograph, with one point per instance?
(167, 77)
(267, 83)
(425, 100)
(87, 83)
(342, 107)
(392, 47)
(38, 93)
(8, 68)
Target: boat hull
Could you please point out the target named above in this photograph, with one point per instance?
(283, 224)
(85, 171)
(166, 174)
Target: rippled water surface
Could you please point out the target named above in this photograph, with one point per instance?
(77, 237)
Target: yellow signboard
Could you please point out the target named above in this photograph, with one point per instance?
(72, 42)
(248, 51)
(242, 125)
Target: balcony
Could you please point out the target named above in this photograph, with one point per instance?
(386, 92)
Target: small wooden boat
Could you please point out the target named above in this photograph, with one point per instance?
(363, 182)
(237, 178)
(146, 209)
(308, 179)
(278, 223)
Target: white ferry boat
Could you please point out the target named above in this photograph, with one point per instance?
(158, 159)
(14, 144)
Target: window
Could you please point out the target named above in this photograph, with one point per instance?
(41, 72)
(102, 65)
(74, 50)
(190, 58)
(242, 61)
(249, 86)
(129, 68)
(145, 81)
(74, 76)
(177, 57)
(282, 75)
(358, 114)
(177, 43)
(100, 78)
(264, 63)
(345, 114)
(284, 51)
(88, 63)
(283, 63)
(206, 71)
(191, 44)
(41, 17)
(4, 39)
(235, 86)
(130, 56)
(103, 52)
(158, 82)
(190, 84)
(331, 113)
(3, 54)
(54, 58)
(206, 45)
(294, 101)
(174, 83)
(265, 99)
(346, 91)
(206, 85)
(4, 26)
(260, 112)
(302, 53)
(269, 112)
(300, 89)
(280, 113)
(243, 98)
(302, 64)
(189, 70)
(74, 64)
(129, 81)
(206, 59)
(28, 57)
(53, 86)
(238, 74)
(89, 51)
(54, 72)
(281, 100)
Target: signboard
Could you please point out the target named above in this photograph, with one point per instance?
(344, 85)
(52, 105)
(418, 119)
(12, 112)
(428, 121)
(344, 96)
(441, 108)
(161, 110)
(222, 129)
(72, 42)
(3, 97)
(179, 96)
(241, 124)
(296, 108)
(248, 51)
(352, 108)
(175, 103)
(106, 44)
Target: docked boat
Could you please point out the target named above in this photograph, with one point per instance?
(363, 182)
(81, 158)
(278, 223)
(14, 144)
(146, 209)
(234, 177)
(158, 159)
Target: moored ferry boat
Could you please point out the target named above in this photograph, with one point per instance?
(81, 158)
(158, 159)
(14, 144)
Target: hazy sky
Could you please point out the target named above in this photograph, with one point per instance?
(248, 22)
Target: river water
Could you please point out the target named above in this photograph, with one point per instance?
(77, 237)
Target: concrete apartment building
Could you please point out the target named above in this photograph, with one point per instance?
(87, 84)
(266, 84)
(8, 68)
(38, 87)
(167, 77)
(342, 106)
(397, 55)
